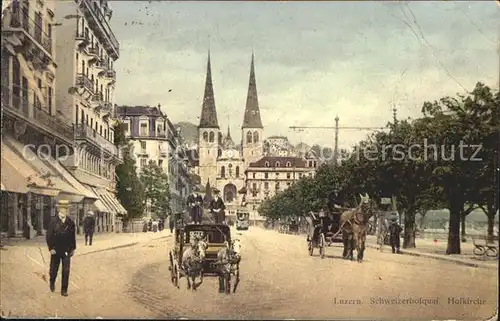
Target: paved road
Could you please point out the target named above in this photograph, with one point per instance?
(279, 280)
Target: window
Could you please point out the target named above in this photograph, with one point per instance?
(266, 175)
(288, 175)
(277, 164)
(237, 171)
(223, 172)
(91, 122)
(288, 164)
(249, 137)
(100, 130)
(266, 185)
(144, 129)
(160, 162)
(205, 136)
(277, 185)
(255, 137)
(77, 114)
(253, 175)
(87, 119)
(254, 186)
(288, 184)
(266, 164)
(143, 162)
(219, 152)
(211, 137)
(39, 82)
(143, 145)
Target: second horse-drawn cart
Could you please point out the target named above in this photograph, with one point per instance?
(323, 230)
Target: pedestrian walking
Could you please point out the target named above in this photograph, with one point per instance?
(217, 208)
(61, 241)
(171, 222)
(194, 202)
(395, 236)
(89, 227)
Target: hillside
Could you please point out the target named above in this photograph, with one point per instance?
(189, 132)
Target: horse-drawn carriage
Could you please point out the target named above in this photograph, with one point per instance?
(323, 230)
(203, 249)
(288, 226)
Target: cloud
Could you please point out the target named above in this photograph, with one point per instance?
(313, 61)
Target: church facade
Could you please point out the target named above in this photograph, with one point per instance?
(232, 169)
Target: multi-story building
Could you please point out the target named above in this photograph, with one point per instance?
(278, 146)
(34, 133)
(86, 49)
(221, 164)
(155, 138)
(271, 175)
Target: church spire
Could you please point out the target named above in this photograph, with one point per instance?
(208, 117)
(252, 113)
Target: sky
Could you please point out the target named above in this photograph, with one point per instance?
(313, 60)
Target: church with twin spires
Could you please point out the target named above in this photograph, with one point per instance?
(233, 169)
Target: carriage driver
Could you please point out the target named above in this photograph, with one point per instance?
(335, 201)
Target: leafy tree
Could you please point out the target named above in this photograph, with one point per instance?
(130, 190)
(156, 189)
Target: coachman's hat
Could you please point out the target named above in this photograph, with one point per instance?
(216, 190)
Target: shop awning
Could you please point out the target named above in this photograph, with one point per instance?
(104, 201)
(14, 181)
(119, 207)
(67, 192)
(21, 177)
(98, 206)
(87, 193)
(105, 194)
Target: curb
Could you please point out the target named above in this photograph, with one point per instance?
(441, 258)
(125, 245)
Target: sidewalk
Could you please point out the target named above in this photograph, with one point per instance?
(427, 248)
(100, 242)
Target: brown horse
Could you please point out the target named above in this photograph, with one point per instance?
(355, 226)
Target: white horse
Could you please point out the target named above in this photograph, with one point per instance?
(192, 262)
(228, 258)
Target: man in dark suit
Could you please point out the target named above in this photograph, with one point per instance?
(61, 241)
(217, 208)
(89, 227)
(395, 236)
(194, 203)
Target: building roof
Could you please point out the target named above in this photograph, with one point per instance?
(252, 118)
(296, 162)
(208, 118)
(139, 111)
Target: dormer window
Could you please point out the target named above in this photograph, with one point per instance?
(143, 126)
(266, 164)
(277, 164)
(288, 164)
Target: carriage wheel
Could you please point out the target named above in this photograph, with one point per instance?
(310, 247)
(322, 244)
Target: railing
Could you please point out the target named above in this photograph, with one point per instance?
(101, 20)
(83, 131)
(93, 51)
(22, 106)
(83, 80)
(98, 97)
(21, 19)
(111, 73)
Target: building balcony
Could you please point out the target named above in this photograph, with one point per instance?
(84, 82)
(98, 144)
(99, 24)
(26, 36)
(108, 73)
(19, 111)
(82, 39)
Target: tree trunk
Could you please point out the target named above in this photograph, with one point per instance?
(462, 228)
(409, 232)
(491, 223)
(454, 228)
